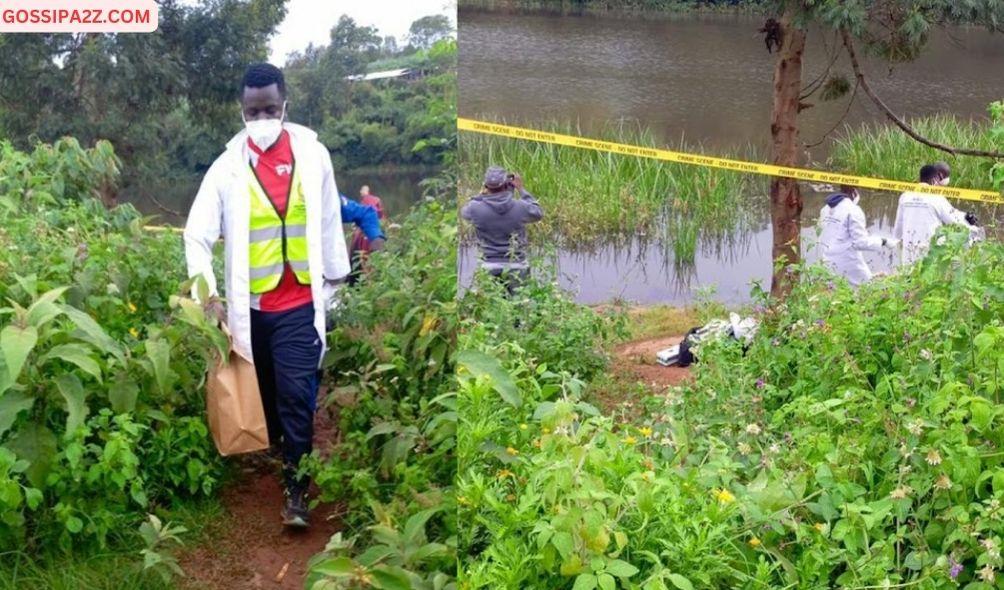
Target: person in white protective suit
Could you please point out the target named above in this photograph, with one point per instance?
(919, 215)
(843, 236)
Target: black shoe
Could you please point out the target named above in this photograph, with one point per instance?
(294, 512)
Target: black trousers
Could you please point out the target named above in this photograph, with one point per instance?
(287, 350)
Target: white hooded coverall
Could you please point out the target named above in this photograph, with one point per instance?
(918, 217)
(843, 236)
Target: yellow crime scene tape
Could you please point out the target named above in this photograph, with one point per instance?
(724, 163)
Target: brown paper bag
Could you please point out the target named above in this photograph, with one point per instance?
(234, 408)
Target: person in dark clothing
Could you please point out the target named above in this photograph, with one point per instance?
(500, 221)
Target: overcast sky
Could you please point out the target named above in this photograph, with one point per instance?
(310, 21)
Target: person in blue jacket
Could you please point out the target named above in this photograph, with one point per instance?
(365, 218)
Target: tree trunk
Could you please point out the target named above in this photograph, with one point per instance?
(785, 197)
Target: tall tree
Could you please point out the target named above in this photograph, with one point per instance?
(425, 31)
(159, 97)
(894, 30)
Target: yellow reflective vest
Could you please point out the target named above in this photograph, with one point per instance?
(275, 240)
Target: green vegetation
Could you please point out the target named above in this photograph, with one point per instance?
(589, 197)
(854, 444)
(167, 100)
(365, 123)
(102, 372)
(101, 369)
(883, 150)
(390, 369)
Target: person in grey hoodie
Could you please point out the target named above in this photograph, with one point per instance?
(500, 222)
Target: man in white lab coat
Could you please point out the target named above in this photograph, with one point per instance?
(272, 197)
(843, 236)
(919, 215)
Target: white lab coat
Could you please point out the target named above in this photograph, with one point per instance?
(843, 236)
(221, 208)
(918, 217)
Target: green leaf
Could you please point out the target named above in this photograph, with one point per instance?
(74, 524)
(12, 404)
(621, 569)
(123, 393)
(77, 354)
(414, 529)
(680, 582)
(562, 541)
(606, 582)
(159, 353)
(36, 444)
(339, 567)
(43, 310)
(16, 344)
(33, 498)
(585, 582)
(387, 577)
(94, 333)
(73, 393)
(477, 363)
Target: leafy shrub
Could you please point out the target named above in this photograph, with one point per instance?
(853, 444)
(102, 365)
(390, 372)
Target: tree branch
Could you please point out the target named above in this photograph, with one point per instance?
(859, 75)
(850, 103)
(163, 207)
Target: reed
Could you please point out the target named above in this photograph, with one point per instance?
(593, 197)
(885, 151)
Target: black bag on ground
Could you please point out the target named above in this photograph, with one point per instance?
(686, 356)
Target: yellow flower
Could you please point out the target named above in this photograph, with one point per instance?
(536, 443)
(546, 430)
(754, 542)
(463, 501)
(132, 307)
(511, 451)
(523, 427)
(724, 496)
(820, 527)
(645, 431)
(429, 323)
(504, 473)
(630, 440)
(134, 332)
(510, 497)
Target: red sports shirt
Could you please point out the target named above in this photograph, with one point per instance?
(274, 170)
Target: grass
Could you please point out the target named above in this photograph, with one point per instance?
(885, 151)
(592, 197)
(119, 566)
(661, 320)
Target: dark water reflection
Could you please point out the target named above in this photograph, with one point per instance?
(398, 188)
(645, 271)
(703, 77)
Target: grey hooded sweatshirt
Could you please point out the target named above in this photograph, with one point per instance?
(500, 223)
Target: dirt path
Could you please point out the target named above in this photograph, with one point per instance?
(637, 360)
(253, 550)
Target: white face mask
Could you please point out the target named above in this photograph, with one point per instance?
(264, 132)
